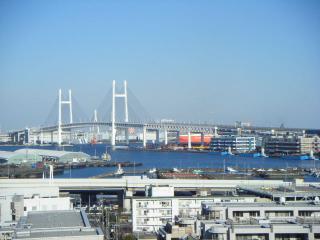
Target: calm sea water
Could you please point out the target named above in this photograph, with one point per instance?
(184, 160)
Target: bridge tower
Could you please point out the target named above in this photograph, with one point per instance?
(95, 119)
(61, 102)
(113, 112)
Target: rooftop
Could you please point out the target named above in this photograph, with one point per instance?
(55, 219)
(274, 205)
(65, 155)
(18, 157)
(276, 192)
(47, 224)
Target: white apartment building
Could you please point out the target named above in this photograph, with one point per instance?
(160, 206)
(261, 221)
(285, 229)
(264, 210)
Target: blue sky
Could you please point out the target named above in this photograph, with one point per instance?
(217, 61)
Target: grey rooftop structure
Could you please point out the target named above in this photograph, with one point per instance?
(287, 192)
(54, 224)
(58, 156)
(7, 157)
(296, 228)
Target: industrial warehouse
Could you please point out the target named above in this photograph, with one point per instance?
(30, 156)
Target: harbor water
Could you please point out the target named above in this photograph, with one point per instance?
(167, 160)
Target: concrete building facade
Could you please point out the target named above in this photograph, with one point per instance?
(291, 145)
(151, 212)
(238, 144)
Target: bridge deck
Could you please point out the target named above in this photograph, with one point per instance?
(194, 127)
(135, 182)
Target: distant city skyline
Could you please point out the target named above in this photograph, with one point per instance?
(207, 61)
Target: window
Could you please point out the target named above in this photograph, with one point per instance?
(252, 237)
(237, 214)
(215, 215)
(25, 209)
(305, 213)
(297, 236)
(254, 213)
(216, 236)
(165, 204)
(279, 213)
(309, 213)
(165, 220)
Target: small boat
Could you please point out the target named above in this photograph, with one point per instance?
(231, 170)
(175, 170)
(229, 152)
(197, 171)
(152, 170)
(311, 156)
(263, 154)
(106, 156)
(95, 157)
(119, 171)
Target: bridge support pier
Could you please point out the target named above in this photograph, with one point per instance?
(113, 136)
(51, 137)
(178, 137)
(70, 136)
(189, 140)
(216, 131)
(165, 137)
(202, 139)
(157, 136)
(144, 136)
(126, 132)
(41, 137)
(239, 131)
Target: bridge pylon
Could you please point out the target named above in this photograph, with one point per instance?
(95, 119)
(63, 102)
(113, 112)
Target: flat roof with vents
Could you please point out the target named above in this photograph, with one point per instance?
(53, 224)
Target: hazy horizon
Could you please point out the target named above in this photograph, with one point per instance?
(207, 61)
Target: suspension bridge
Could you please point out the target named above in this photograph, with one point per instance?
(61, 129)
